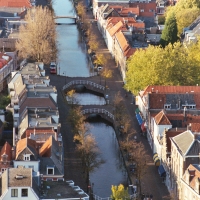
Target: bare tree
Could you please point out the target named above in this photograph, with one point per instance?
(89, 154)
(37, 38)
(139, 156)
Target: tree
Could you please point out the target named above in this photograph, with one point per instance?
(89, 154)
(4, 101)
(173, 65)
(119, 193)
(170, 32)
(185, 17)
(37, 38)
(77, 119)
(139, 156)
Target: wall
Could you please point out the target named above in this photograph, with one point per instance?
(31, 196)
(26, 164)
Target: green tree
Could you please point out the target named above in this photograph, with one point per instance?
(119, 193)
(37, 38)
(185, 17)
(170, 32)
(4, 101)
(173, 65)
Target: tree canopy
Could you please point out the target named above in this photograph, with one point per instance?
(37, 38)
(119, 193)
(170, 32)
(173, 65)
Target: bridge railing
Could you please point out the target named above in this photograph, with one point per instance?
(83, 82)
(96, 111)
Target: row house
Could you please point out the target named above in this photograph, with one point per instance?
(37, 141)
(180, 105)
(6, 67)
(184, 151)
(28, 89)
(172, 118)
(190, 183)
(18, 183)
(46, 160)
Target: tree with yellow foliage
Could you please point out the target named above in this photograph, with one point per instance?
(119, 193)
(37, 38)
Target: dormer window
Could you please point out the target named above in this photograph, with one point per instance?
(167, 106)
(50, 170)
(27, 157)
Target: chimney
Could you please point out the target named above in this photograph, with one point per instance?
(14, 136)
(152, 90)
(185, 114)
(13, 151)
(179, 104)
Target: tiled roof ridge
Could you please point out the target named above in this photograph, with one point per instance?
(167, 89)
(161, 118)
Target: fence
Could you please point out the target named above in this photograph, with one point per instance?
(83, 82)
(98, 111)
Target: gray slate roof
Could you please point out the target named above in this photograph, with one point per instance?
(184, 141)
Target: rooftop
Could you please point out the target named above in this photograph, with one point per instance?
(184, 141)
(19, 177)
(61, 189)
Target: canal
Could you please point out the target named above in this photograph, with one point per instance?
(73, 62)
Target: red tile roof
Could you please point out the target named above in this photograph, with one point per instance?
(171, 89)
(122, 41)
(45, 150)
(115, 28)
(23, 143)
(161, 119)
(148, 8)
(15, 3)
(195, 127)
(38, 131)
(194, 172)
(7, 150)
(125, 11)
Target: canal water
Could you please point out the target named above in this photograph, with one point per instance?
(73, 62)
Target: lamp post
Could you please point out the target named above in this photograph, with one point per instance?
(64, 73)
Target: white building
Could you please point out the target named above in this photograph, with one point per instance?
(17, 183)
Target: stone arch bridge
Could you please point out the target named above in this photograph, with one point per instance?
(87, 84)
(99, 111)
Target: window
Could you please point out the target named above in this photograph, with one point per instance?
(3, 169)
(167, 106)
(26, 157)
(50, 170)
(24, 192)
(14, 192)
(142, 10)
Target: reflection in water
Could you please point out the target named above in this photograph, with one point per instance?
(89, 99)
(111, 172)
(72, 58)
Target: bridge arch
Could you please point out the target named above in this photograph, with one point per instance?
(98, 111)
(88, 84)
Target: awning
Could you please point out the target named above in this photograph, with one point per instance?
(156, 159)
(137, 111)
(143, 128)
(139, 118)
(161, 171)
